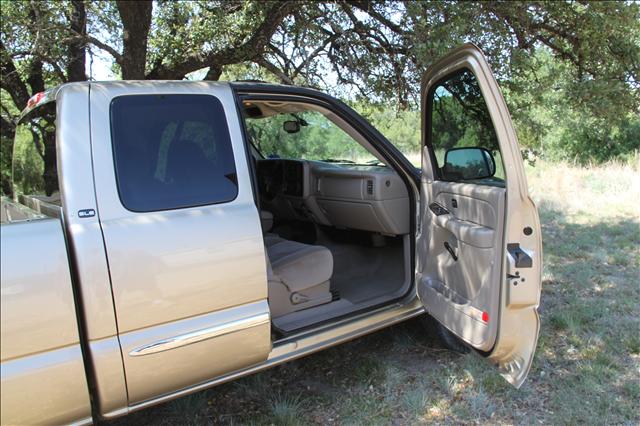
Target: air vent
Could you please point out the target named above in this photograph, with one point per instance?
(370, 187)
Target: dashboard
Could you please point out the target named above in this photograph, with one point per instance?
(348, 196)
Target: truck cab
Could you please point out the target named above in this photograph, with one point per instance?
(195, 232)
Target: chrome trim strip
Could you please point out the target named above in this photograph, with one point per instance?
(200, 335)
(83, 422)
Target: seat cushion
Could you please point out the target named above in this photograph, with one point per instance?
(299, 266)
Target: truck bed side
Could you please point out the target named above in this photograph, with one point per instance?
(40, 352)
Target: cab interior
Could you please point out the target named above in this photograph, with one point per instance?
(335, 216)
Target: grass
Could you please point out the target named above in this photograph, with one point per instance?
(586, 369)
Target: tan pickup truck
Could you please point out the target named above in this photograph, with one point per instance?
(165, 237)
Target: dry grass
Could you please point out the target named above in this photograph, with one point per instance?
(601, 192)
(586, 370)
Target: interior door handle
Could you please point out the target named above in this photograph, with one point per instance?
(451, 251)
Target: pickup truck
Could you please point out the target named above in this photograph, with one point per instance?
(168, 236)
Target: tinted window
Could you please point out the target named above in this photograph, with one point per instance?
(34, 171)
(460, 118)
(171, 151)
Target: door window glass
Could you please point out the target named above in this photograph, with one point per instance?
(171, 151)
(460, 119)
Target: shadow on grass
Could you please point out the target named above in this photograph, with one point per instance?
(590, 317)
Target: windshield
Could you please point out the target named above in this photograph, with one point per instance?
(304, 134)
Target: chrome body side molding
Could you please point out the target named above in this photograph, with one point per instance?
(200, 335)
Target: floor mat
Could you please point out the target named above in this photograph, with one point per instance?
(362, 272)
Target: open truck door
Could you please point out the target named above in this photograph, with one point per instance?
(479, 246)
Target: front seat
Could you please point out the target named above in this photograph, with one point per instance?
(299, 275)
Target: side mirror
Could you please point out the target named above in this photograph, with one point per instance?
(291, 126)
(468, 164)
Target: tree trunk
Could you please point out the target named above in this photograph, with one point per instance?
(48, 135)
(136, 21)
(50, 173)
(7, 132)
(214, 73)
(77, 49)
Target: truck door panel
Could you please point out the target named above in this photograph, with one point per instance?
(479, 251)
(190, 280)
(463, 245)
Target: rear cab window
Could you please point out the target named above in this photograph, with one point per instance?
(171, 152)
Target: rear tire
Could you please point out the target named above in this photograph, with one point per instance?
(449, 340)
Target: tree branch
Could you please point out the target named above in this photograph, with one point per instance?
(11, 81)
(251, 50)
(366, 6)
(284, 78)
(97, 43)
(315, 53)
(7, 128)
(85, 38)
